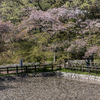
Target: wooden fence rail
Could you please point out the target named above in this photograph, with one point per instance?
(84, 68)
(25, 68)
(75, 67)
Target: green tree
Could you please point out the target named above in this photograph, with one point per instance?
(12, 10)
(2, 48)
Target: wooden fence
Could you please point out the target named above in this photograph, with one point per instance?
(18, 69)
(76, 67)
(83, 68)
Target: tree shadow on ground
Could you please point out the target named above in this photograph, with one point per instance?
(3, 86)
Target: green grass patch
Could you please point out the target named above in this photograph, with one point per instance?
(80, 72)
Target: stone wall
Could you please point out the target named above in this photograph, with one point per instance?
(80, 77)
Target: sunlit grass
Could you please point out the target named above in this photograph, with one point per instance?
(80, 72)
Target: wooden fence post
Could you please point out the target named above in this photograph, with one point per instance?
(64, 65)
(52, 67)
(96, 69)
(70, 65)
(67, 67)
(35, 68)
(76, 67)
(89, 69)
(21, 68)
(82, 69)
(17, 69)
(26, 69)
(7, 70)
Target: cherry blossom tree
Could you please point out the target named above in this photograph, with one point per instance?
(90, 50)
(53, 21)
(7, 30)
(8, 35)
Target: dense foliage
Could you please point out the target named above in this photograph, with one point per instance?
(43, 30)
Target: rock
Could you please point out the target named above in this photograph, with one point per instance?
(97, 78)
(10, 78)
(38, 75)
(87, 77)
(6, 78)
(92, 77)
(2, 79)
(30, 75)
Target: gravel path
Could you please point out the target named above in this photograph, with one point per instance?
(48, 88)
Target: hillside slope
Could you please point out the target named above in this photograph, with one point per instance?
(58, 33)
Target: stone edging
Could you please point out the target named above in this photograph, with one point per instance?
(81, 77)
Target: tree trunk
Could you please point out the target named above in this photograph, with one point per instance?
(54, 58)
(39, 5)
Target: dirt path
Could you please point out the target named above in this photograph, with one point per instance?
(48, 88)
(5, 72)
